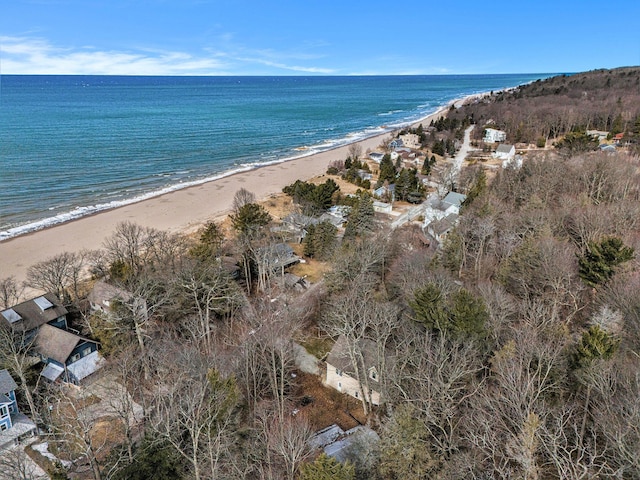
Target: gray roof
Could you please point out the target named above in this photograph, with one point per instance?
(277, 255)
(35, 312)
(453, 198)
(105, 292)
(7, 384)
(86, 366)
(339, 355)
(56, 343)
(350, 446)
(444, 224)
(504, 148)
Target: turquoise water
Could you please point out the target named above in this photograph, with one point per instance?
(73, 145)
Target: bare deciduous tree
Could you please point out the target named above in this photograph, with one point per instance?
(195, 410)
(16, 354)
(10, 292)
(287, 444)
(15, 464)
(57, 274)
(74, 426)
(241, 198)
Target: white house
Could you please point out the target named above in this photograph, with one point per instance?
(376, 156)
(410, 140)
(505, 152)
(341, 375)
(491, 135)
(452, 202)
(382, 207)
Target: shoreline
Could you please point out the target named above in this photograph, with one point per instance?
(180, 210)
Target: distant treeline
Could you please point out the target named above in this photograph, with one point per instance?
(607, 100)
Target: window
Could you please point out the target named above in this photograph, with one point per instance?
(86, 351)
(3, 411)
(373, 374)
(3, 427)
(338, 372)
(74, 358)
(11, 408)
(356, 394)
(339, 386)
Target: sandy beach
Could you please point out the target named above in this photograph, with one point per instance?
(179, 211)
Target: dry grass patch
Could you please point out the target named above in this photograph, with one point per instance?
(324, 406)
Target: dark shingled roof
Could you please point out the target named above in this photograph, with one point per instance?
(56, 343)
(7, 384)
(32, 316)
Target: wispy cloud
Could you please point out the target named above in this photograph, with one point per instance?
(32, 55)
(26, 55)
(284, 66)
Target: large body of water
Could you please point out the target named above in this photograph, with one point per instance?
(73, 145)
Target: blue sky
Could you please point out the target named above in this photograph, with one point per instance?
(311, 37)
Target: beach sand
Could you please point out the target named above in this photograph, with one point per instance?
(179, 211)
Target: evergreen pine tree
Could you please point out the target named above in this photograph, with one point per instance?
(327, 468)
(599, 263)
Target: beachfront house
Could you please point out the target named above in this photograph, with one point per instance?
(376, 156)
(505, 152)
(28, 316)
(341, 374)
(104, 296)
(13, 425)
(491, 135)
(410, 140)
(396, 143)
(66, 355)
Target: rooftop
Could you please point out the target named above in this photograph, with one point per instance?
(7, 384)
(34, 312)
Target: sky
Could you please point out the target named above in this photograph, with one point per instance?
(312, 37)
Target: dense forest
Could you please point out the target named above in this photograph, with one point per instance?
(606, 100)
(510, 351)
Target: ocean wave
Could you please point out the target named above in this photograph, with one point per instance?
(266, 159)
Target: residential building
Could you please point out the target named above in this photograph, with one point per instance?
(341, 374)
(13, 425)
(440, 228)
(505, 152)
(396, 143)
(491, 135)
(66, 355)
(344, 446)
(376, 156)
(382, 207)
(599, 134)
(410, 140)
(103, 295)
(28, 316)
(8, 403)
(452, 203)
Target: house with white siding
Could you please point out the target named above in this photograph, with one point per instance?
(341, 374)
(505, 152)
(491, 135)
